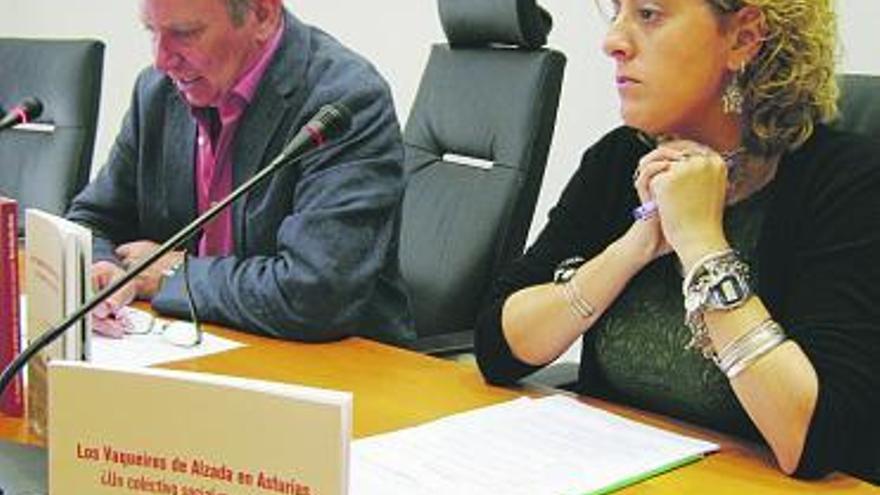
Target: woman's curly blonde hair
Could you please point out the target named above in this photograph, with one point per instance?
(790, 85)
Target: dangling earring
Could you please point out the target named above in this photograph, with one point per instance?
(732, 100)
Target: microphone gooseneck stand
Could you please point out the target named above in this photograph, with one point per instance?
(328, 123)
(24, 467)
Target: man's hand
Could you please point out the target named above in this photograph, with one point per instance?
(106, 319)
(148, 283)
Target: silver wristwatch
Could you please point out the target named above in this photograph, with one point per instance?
(718, 282)
(173, 269)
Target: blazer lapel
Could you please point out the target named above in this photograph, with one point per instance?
(263, 129)
(178, 162)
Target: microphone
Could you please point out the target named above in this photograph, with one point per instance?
(29, 109)
(330, 122)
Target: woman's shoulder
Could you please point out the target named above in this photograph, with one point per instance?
(831, 151)
(830, 186)
(832, 162)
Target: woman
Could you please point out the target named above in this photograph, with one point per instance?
(750, 235)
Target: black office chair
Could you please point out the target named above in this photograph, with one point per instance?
(476, 145)
(860, 113)
(859, 104)
(44, 167)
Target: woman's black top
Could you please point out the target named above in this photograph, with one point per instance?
(817, 253)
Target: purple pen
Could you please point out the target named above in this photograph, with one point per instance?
(645, 211)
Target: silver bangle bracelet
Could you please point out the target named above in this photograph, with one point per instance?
(747, 349)
(579, 306)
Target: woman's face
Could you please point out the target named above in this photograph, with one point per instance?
(672, 64)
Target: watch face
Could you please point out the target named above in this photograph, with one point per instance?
(728, 291)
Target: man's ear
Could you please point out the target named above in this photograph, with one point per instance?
(267, 14)
(748, 30)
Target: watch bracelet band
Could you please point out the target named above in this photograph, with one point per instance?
(744, 351)
(700, 339)
(709, 272)
(697, 287)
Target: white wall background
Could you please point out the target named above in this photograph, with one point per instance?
(395, 35)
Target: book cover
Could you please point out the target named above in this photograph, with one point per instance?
(12, 401)
(57, 282)
(132, 430)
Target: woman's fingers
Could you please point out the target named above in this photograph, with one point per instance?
(646, 174)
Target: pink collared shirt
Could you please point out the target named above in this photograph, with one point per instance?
(214, 156)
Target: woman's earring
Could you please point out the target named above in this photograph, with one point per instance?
(732, 100)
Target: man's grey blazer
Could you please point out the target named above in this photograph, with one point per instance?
(316, 245)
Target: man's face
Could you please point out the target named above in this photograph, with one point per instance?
(196, 44)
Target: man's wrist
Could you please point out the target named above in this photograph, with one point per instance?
(172, 270)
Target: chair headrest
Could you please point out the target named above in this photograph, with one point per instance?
(483, 22)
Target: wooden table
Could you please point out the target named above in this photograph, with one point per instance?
(395, 388)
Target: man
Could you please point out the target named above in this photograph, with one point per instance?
(310, 254)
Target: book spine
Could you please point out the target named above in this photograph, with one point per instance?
(12, 401)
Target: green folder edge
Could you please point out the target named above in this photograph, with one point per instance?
(648, 474)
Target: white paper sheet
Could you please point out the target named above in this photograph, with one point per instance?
(152, 349)
(146, 348)
(143, 350)
(553, 445)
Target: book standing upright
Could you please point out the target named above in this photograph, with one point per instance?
(12, 401)
(58, 260)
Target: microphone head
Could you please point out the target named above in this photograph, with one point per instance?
(332, 120)
(329, 122)
(28, 110)
(32, 107)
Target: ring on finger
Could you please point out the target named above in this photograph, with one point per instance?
(697, 153)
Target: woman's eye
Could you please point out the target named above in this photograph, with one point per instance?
(648, 15)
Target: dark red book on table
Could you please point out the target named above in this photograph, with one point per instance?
(12, 401)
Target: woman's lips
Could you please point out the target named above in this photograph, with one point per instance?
(625, 81)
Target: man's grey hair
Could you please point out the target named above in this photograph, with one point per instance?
(238, 9)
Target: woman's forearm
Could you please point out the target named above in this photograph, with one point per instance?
(778, 391)
(538, 322)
